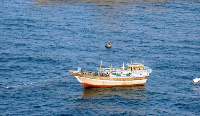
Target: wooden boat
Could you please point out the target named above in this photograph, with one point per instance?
(135, 74)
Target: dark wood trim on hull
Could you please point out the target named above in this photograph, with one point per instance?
(107, 86)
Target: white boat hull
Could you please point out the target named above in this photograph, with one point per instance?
(91, 82)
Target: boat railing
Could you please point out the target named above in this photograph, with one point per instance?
(114, 70)
(141, 71)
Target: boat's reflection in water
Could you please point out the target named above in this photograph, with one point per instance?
(136, 92)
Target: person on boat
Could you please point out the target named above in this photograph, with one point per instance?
(108, 45)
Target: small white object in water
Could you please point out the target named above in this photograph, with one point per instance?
(196, 80)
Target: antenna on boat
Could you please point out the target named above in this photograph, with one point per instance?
(100, 65)
(111, 68)
(131, 61)
(123, 67)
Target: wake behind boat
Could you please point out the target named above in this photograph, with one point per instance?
(133, 75)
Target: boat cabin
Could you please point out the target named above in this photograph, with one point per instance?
(135, 66)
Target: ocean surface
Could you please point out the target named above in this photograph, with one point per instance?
(40, 40)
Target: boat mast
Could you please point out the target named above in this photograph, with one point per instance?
(100, 65)
(123, 67)
(111, 69)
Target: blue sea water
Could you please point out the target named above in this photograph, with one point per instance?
(40, 40)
